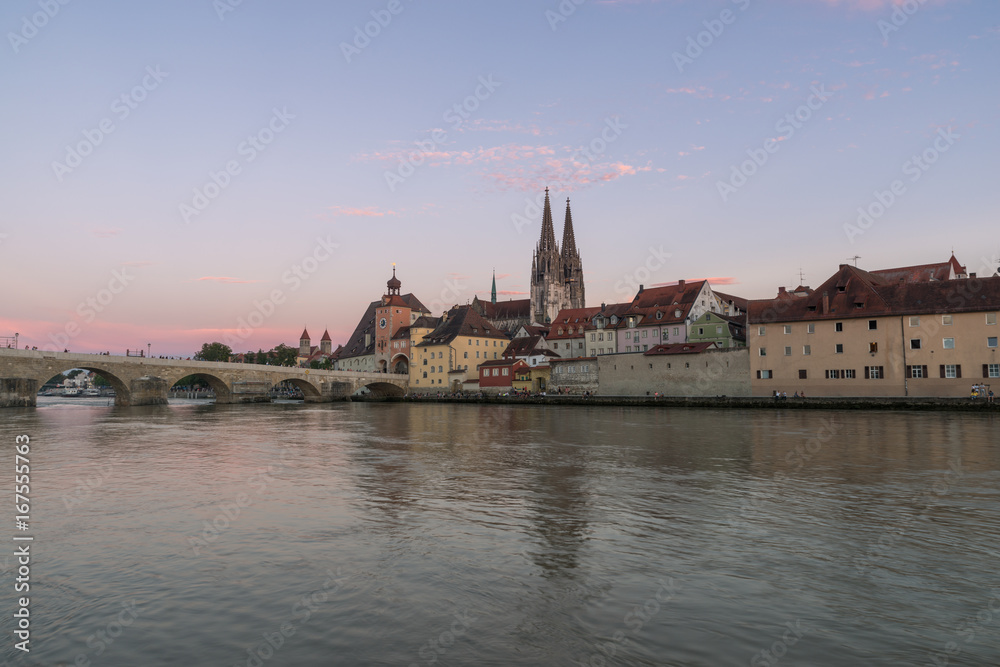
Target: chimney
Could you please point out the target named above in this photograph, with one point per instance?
(680, 283)
(781, 290)
(972, 275)
(641, 287)
(603, 306)
(826, 302)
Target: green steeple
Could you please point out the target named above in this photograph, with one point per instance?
(493, 295)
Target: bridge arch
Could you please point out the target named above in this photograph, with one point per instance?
(384, 389)
(223, 394)
(123, 392)
(308, 389)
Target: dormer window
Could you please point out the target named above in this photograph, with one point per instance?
(614, 319)
(841, 288)
(677, 312)
(659, 315)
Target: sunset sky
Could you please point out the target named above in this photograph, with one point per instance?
(170, 168)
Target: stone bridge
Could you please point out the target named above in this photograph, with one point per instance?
(142, 381)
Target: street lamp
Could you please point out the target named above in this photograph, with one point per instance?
(148, 347)
(15, 339)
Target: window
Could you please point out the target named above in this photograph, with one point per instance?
(477, 354)
(628, 334)
(951, 371)
(718, 330)
(762, 351)
(593, 337)
(788, 350)
(848, 374)
(872, 325)
(601, 336)
(440, 369)
(611, 335)
(807, 350)
(839, 326)
(644, 332)
(656, 332)
(788, 328)
(916, 372)
(505, 371)
(946, 320)
(991, 318)
(874, 372)
(676, 331)
(832, 375)
(764, 375)
(701, 331)
(425, 374)
(992, 370)
(761, 331)
(803, 375)
(914, 343)
(425, 362)
(810, 328)
(628, 348)
(872, 348)
(949, 343)
(914, 321)
(991, 341)
(477, 342)
(466, 355)
(840, 348)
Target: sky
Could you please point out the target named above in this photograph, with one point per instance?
(199, 170)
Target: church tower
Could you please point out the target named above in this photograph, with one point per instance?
(556, 277)
(305, 344)
(572, 266)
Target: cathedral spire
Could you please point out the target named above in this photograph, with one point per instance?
(493, 294)
(548, 238)
(569, 238)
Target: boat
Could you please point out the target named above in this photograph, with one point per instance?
(92, 392)
(71, 392)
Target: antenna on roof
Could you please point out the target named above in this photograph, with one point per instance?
(802, 277)
(855, 259)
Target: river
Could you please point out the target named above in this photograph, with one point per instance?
(439, 534)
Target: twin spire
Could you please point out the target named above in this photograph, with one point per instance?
(548, 239)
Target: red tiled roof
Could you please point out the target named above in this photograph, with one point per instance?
(668, 295)
(854, 293)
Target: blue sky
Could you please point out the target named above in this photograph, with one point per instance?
(591, 102)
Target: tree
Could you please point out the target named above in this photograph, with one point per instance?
(99, 381)
(214, 352)
(284, 355)
(326, 364)
(261, 357)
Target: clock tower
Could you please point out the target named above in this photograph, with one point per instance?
(391, 313)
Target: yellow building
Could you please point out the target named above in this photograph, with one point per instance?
(532, 378)
(460, 342)
(860, 335)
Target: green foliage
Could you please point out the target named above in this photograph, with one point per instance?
(284, 355)
(214, 352)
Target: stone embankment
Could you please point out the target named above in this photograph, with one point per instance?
(737, 402)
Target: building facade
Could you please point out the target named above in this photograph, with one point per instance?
(860, 335)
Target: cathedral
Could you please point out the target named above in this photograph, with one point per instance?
(556, 275)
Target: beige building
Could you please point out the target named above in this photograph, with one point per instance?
(885, 333)
(445, 358)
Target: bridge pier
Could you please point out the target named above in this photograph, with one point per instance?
(144, 391)
(246, 392)
(331, 392)
(18, 393)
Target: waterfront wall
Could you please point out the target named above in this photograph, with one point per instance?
(723, 372)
